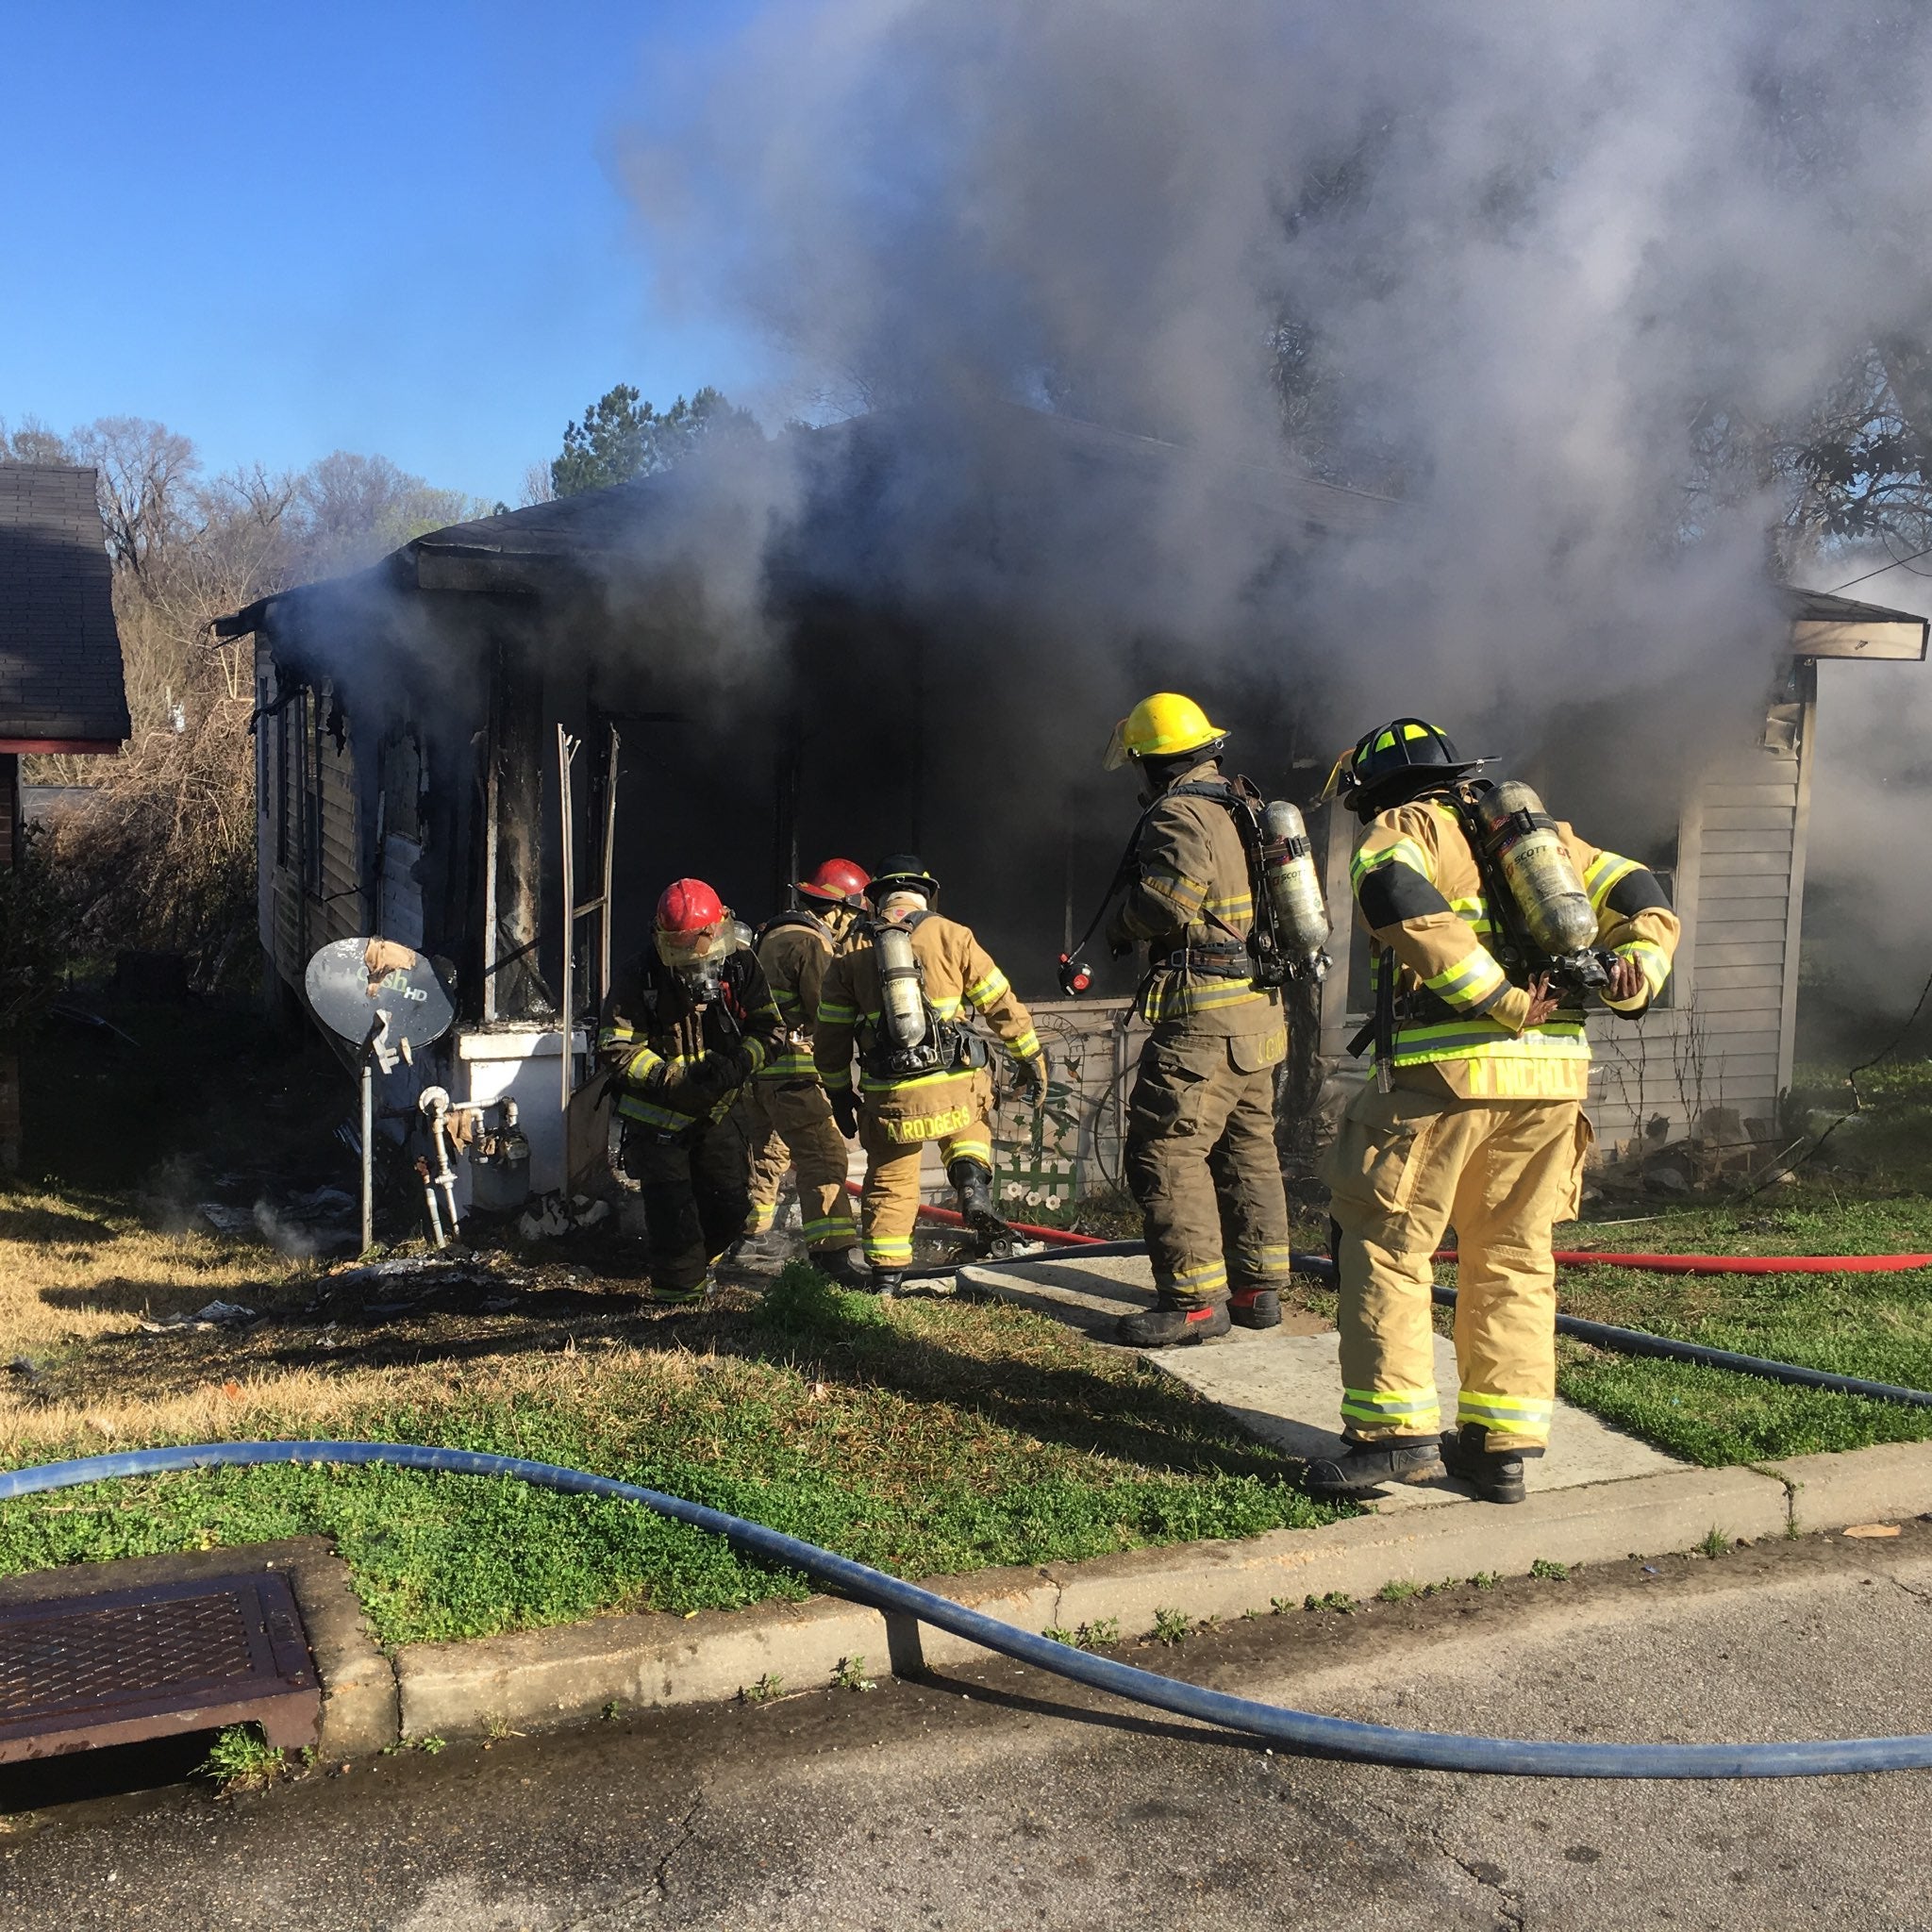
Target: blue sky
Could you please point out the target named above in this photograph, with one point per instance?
(284, 230)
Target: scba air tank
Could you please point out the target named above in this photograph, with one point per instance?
(902, 1004)
(1294, 887)
(1536, 866)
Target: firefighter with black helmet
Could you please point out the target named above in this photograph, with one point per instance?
(895, 999)
(788, 1119)
(1494, 926)
(684, 1028)
(1200, 1155)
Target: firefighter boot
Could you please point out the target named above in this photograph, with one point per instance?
(974, 1184)
(885, 1282)
(1169, 1323)
(840, 1266)
(1364, 1467)
(1494, 1474)
(1255, 1307)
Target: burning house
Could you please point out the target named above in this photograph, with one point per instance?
(497, 745)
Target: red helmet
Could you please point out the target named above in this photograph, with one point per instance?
(688, 906)
(837, 880)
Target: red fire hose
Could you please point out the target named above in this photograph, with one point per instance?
(953, 1218)
(1570, 1258)
(1737, 1265)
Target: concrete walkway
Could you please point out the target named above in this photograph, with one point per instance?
(1284, 1386)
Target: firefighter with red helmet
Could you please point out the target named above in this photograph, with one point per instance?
(684, 1028)
(788, 1117)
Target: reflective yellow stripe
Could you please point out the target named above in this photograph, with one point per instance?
(828, 1228)
(1455, 1039)
(1601, 875)
(795, 1064)
(1469, 982)
(917, 1080)
(1210, 1275)
(647, 1113)
(838, 1013)
(1173, 996)
(1025, 1046)
(959, 1148)
(1416, 1409)
(982, 993)
(1403, 852)
(764, 1215)
(1473, 1405)
(1652, 960)
(888, 1251)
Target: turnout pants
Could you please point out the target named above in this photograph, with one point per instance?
(695, 1199)
(1200, 1162)
(891, 1206)
(1406, 1166)
(790, 1125)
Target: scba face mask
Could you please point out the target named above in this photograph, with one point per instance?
(696, 960)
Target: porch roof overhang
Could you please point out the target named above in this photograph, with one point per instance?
(1825, 625)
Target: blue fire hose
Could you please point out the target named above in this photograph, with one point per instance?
(1300, 1730)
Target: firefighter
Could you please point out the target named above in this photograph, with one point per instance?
(789, 1120)
(1474, 1116)
(1200, 1156)
(683, 1030)
(895, 997)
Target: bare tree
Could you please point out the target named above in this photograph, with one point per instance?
(146, 478)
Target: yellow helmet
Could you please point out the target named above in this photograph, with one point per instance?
(1162, 726)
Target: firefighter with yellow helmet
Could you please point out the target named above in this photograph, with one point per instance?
(1200, 1156)
(896, 998)
(1493, 925)
(789, 1120)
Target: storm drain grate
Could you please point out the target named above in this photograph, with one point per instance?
(80, 1672)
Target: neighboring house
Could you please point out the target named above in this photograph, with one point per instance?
(61, 678)
(419, 725)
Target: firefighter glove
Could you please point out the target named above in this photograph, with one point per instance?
(1032, 1071)
(844, 1111)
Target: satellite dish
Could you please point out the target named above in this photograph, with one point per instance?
(375, 992)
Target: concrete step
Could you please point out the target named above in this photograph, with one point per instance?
(1284, 1385)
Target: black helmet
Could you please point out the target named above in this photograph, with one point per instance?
(904, 871)
(1395, 763)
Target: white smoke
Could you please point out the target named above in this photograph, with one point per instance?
(1533, 253)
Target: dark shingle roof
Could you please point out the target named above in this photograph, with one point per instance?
(60, 652)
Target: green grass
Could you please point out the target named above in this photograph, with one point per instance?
(1875, 1326)
(925, 1438)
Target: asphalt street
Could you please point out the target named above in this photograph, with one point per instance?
(999, 1798)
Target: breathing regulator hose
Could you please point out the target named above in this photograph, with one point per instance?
(1299, 1730)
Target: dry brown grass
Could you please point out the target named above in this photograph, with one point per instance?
(73, 1268)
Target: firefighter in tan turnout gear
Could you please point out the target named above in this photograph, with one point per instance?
(895, 998)
(788, 1119)
(1200, 1153)
(1494, 926)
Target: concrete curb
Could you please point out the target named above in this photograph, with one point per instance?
(539, 1677)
